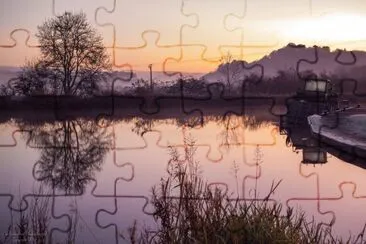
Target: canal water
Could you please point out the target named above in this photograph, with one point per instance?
(94, 178)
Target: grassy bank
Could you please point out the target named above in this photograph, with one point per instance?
(188, 210)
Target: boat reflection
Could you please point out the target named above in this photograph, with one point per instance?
(314, 150)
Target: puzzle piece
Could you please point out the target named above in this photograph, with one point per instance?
(121, 221)
(345, 81)
(116, 217)
(90, 9)
(148, 20)
(254, 25)
(19, 50)
(196, 101)
(101, 180)
(62, 230)
(337, 134)
(51, 167)
(189, 54)
(12, 155)
(347, 195)
(215, 145)
(268, 174)
(37, 12)
(35, 220)
(325, 59)
(130, 195)
(81, 211)
(150, 51)
(328, 185)
(215, 42)
(116, 99)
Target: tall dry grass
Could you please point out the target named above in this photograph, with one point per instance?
(188, 210)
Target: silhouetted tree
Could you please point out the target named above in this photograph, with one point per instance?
(72, 58)
(5, 90)
(141, 87)
(229, 70)
(34, 79)
(71, 152)
(191, 87)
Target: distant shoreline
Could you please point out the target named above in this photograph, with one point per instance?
(47, 102)
(51, 108)
(60, 108)
(128, 101)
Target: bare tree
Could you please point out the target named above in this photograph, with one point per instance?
(71, 152)
(73, 56)
(229, 70)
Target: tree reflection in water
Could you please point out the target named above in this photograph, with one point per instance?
(233, 128)
(142, 125)
(71, 152)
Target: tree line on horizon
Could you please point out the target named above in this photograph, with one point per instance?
(74, 62)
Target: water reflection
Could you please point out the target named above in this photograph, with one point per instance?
(301, 140)
(313, 150)
(229, 123)
(68, 155)
(30, 225)
(142, 125)
(70, 152)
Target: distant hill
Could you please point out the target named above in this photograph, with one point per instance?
(319, 60)
(347, 64)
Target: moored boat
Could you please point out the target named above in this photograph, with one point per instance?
(345, 131)
(316, 97)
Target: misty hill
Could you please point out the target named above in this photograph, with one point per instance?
(324, 61)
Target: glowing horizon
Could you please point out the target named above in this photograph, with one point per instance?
(192, 39)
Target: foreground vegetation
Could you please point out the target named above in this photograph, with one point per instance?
(188, 210)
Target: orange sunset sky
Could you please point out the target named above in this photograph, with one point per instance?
(188, 35)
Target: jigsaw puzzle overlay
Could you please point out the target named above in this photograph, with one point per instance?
(194, 84)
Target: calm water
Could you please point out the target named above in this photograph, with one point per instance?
(99, 176)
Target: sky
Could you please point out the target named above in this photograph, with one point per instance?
(188, 35)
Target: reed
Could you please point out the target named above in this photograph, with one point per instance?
(188, 210)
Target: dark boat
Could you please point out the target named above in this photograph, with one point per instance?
(315, 150)
(316, 97)
(344, 131)
(318, 121)
(302, 141)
